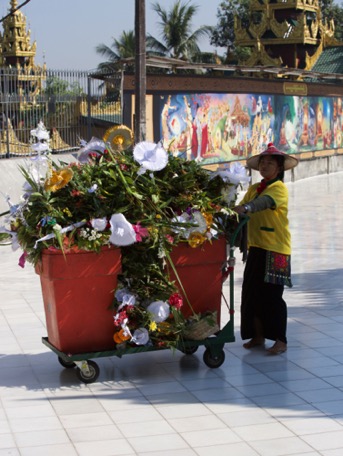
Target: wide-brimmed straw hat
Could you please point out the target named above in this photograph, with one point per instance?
(289, 161)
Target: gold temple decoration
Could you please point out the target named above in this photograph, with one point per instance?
(18, 53)
(23, 77)
(120, 137)
(285, 33)
(15, 42)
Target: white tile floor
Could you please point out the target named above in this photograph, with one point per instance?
(165, 404)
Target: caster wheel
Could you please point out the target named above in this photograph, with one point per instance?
(189, 350)
(66, 364)
(89, 372)
(213, 361)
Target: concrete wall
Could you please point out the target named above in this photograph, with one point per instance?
(11, 179)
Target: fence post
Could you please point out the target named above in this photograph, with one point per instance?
(89, 112)
(5, 124)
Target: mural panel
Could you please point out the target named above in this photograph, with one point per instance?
(214, 128)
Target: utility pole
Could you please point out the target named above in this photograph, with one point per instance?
(140, 72)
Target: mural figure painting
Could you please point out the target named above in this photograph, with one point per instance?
(214, 127)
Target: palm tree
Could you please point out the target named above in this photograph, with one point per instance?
(122, 48)
(178, 40)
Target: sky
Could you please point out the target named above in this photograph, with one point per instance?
(68, 31)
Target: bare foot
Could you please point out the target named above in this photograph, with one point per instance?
(278, 348)
(254, 342)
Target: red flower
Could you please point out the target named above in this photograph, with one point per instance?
(176, 301)
(170, 239)
(119, 318)
(161, 343)
(140, 232)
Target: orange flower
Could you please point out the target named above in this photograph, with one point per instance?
(121, 336)
(196, 239)
(58, 180)
(68, 244)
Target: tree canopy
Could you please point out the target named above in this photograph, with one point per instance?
(121, 48)
(331, 10)
(178, 40)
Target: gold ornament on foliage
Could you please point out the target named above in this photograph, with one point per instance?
(120, 137)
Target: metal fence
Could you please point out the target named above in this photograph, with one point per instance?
(73, 105)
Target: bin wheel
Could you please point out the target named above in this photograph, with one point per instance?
(213, 361)
(66, 364)
(89, 372)
(189, 350)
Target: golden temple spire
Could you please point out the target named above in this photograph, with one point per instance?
(15, 42)
(291, 32)
(14, 4)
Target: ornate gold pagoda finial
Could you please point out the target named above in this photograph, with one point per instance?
(15, 42)
(288, 31)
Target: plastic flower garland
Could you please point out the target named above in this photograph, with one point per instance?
(142, 200)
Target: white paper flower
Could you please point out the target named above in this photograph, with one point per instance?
(235, 174)
(122, 231)
(160, 311)
(119, 294)
(99, 223)
(196, 219)
(41, 133)
(150, 156)
(94, 145)
(93, 188)
(140, 336)
(200, 222)
(240, 171)
(125, 328)
(125, 297)
(229, 194)
(40, 147)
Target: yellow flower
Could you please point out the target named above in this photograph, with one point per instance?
(152, 326)
(67, 212)
(209, 219)
(58, 180)
(153, 230)
(196, 239)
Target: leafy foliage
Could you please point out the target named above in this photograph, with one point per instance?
(224, 34)
(121, 48)
(71, 207)
(178, 39)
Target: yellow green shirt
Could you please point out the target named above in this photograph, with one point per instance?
(269, 229)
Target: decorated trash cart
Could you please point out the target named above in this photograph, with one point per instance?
(131, 248)
(210, 269)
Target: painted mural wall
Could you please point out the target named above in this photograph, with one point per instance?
(214, 128)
